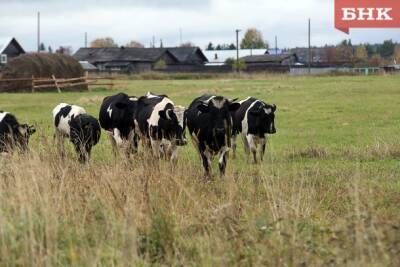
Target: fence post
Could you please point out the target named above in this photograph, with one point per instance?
(56, 84)
(33, 84)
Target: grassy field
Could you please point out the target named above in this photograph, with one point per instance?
(328, 192)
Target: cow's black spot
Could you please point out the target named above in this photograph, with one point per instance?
(63, 112)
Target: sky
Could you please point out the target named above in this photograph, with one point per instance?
(64, 22)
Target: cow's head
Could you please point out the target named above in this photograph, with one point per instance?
(22, 133)
(265, 116)
(220, 110)
(173, 122)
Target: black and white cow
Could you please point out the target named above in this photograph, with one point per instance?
(254, 120)
(161, 125)
(117, 118)
(209, 122)
(83, 130)
(12, 134)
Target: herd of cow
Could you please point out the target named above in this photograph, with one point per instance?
(214, 122)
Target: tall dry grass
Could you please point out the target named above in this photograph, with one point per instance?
(128, 212)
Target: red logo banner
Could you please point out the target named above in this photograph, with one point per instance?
(366, 14)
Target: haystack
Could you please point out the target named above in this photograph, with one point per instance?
(41, 66)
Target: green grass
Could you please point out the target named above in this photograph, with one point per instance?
(328, 192)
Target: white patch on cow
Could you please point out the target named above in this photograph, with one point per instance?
(180, 112)
(133, 99)
(253, 141)
(245, 123)
(3, 115)
(63, 126)
(218, 103)
(222, 153)
(109, 111)
(155, 116)
(208, 100)
(116, 134)
(268, 110)
(150, 95)
(241, 102)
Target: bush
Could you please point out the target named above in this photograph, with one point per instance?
(160, 65)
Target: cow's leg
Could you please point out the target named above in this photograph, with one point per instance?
(113, 144)
(234, 145)
(206, 159)
(223, 155)
(246, 146)
(173, 153)
(132, 144)
(253, 146)
(263, 142)
(155, 145)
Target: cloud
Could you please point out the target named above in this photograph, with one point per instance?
(65, 22)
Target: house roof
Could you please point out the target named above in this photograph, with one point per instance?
(4, 42)
(121, 54)
(219, 57)
(267, 58)
(87, 66)
(185, 54)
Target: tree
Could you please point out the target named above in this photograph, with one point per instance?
(50, 50)
(210, 47)
(42, 47)
(386, 50)
(370, 49)
(361, 55)
(253, 39)
(232, 47)
(103, 42)
(160, 65)
(66, 50)
(187, 44)
(134, 44)
(396, 55)
(375, 60)
(218, 47)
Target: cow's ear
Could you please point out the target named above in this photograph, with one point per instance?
(31, 129)
(121, 105)
(274, 108)
(234, 106)
(163, 114)
(203, 108)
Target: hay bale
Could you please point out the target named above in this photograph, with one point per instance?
(41, 66)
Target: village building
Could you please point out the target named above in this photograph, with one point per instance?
(136, 60)
(9, 48)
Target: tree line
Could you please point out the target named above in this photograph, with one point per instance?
(374, 55)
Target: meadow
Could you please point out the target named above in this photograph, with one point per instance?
(327, 194)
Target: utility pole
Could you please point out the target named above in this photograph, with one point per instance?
(309, 46)
(85, 39)
(38, 32)
(276, 45)
(154, 41)
(180, 36)
(237, 50)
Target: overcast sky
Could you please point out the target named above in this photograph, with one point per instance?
(64, 22)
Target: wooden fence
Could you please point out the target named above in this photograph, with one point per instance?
(38, 84)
